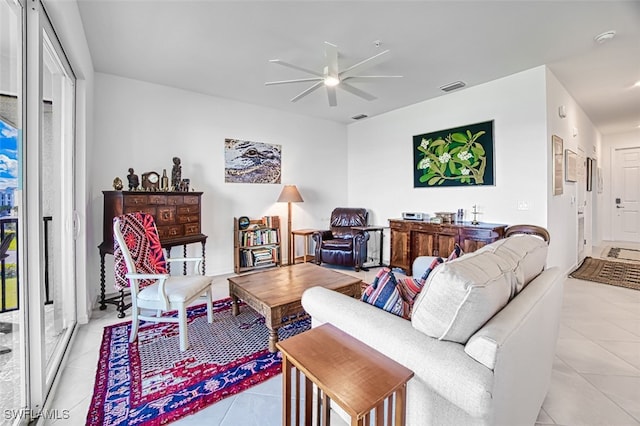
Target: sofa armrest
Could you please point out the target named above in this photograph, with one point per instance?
(317, 238)
(441, 366)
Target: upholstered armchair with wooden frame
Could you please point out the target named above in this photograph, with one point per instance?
(341, 244)
(140, 265)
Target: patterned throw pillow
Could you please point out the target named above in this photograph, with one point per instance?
(383, 293)
(436, 262)
(410, 287)
(456, 253)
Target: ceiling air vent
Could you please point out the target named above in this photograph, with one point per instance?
(359, 116)
(452, 86)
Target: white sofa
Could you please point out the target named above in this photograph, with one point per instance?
(495, 372)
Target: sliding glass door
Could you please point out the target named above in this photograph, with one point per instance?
(37, 258)
(49, 147)
(13, 362)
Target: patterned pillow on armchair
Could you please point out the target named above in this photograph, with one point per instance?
(141, 236)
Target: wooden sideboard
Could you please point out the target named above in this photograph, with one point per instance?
(410, 239)
(177, 216)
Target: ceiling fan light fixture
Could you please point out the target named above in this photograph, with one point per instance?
(331, 81)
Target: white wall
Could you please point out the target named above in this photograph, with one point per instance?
(576, 131)
(143, 125)
(381, 157)
(609, 144)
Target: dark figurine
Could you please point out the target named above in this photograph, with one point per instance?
(134, 182)
(176, 174)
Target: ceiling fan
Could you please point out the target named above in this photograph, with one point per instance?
(331, 77)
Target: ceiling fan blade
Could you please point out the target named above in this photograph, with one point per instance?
(331, 54)
(363, 65)
(364, 77)
(331, 94)
(354, 90)
(295, 67)
(307, 91)
(299, 80)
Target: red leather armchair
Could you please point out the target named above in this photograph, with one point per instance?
(341, 244)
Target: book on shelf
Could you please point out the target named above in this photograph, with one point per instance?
(258, 237)
(258, 257)
(271, 221)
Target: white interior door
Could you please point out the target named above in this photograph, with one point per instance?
(626, 194)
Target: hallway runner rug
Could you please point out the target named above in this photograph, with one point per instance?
(607, 272)
(624, 254)
(150, 382)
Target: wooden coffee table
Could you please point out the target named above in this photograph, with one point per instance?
(276, 294)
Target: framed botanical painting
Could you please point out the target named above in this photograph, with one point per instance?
(460, 156)
(557, 164)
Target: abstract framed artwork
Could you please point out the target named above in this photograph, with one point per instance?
(558, 186)
(460, 156)
(571, 166)
(252, 162)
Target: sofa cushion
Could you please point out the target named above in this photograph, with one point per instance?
(338, 244)
(459, 297)
(383, 293)
(526, 253)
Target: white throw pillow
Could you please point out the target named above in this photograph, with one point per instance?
(527, 254)
(460, 297)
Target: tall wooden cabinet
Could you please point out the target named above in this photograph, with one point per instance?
(177, 216)
(410, 239)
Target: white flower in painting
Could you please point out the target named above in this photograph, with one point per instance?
(465, 171)
(464, 155)
(444, 158)
(424, 164)
(425, 143)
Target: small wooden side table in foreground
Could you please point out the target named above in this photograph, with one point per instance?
(355, 376)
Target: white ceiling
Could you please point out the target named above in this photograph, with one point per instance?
(222, 48)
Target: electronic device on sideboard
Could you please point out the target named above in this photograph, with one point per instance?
(414, 216)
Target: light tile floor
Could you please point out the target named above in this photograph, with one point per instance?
(595, 379)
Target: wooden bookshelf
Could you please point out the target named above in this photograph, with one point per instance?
(258, 245)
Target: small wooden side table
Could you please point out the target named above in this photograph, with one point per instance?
(355, 376)
(372, 228)
(306, 233)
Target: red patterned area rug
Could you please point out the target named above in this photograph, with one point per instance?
(150, 382)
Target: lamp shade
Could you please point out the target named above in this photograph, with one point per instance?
(290, 194)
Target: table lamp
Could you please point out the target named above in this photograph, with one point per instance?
(289, 195)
